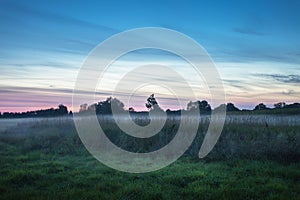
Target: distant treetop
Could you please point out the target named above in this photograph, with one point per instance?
(105, 107)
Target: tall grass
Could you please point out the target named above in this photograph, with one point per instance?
(45, 159)
(254, 137)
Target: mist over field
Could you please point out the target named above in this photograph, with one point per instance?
(260, 152)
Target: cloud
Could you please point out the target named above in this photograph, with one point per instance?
(236, 83)
(292, 78)
(50, 90)
(288, 92)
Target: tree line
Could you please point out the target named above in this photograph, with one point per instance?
(62, 110)
(105, 107)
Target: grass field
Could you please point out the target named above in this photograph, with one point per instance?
(45, 159)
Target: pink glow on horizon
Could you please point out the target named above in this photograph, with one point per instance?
(23, 100)
(12, 106)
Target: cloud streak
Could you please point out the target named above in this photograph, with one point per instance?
(291, 78)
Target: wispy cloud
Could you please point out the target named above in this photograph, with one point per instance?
(236, 83)
(291, 78)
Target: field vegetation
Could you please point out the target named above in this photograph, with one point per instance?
(256, 157)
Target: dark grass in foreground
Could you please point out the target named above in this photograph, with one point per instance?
(45, 159)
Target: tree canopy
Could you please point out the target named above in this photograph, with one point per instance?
(203, 106)
(261, 106)
(105, 107)
(151, 103)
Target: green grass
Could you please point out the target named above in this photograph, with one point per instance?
(46, 160)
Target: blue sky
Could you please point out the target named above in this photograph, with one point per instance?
(255, 45)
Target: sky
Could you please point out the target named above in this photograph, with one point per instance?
(255, 46)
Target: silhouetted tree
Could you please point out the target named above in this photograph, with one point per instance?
(151, 103)
(83, 107)
(105, 107)
(261, 106)
(279, 105)
(51, 112)
(230, 107)
(294, 105)
(131, 109)
(62, 110)
(203, 106)
(7, 115)
(192, 105)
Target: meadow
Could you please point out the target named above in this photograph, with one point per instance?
(256, 157)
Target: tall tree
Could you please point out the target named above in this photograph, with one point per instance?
(62, 110)
(151, 103)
